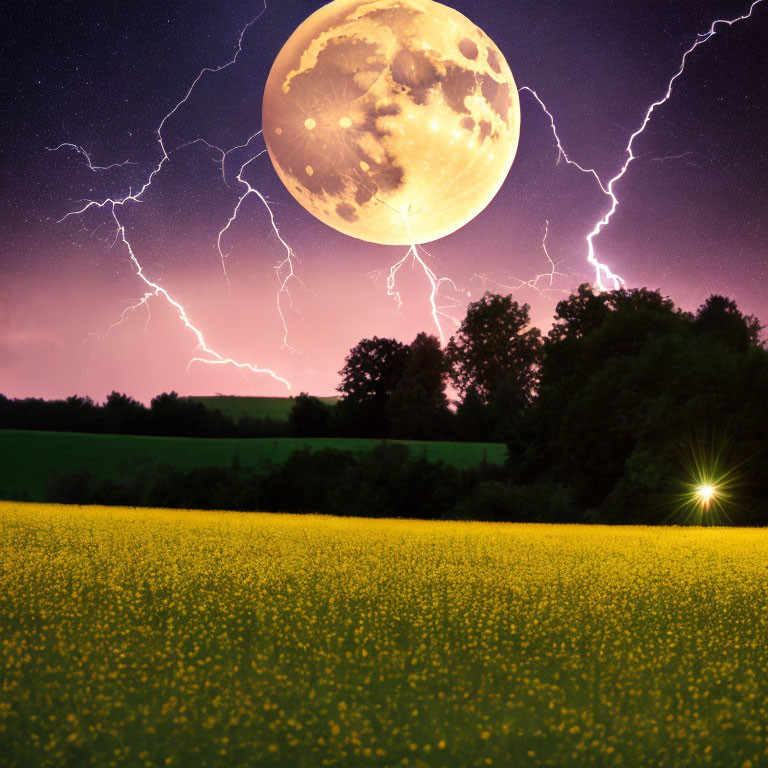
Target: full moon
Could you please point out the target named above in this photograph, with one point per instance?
(393, 121)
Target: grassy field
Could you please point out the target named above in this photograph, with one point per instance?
(158, 638)
(32, 459)
(276, 408)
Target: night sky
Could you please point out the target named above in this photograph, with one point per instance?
(692, 216)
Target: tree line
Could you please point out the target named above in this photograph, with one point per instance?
(626, 408)
(617, 414)
(168, 415)
(388, 480)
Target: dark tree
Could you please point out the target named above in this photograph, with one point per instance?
(592, 326)
(123, 415)
(418, 407)
(624, 376)
(721, 319)
(580, 313)
(371, 372)
(592, 395)
(310, 417)
(495, 343)
(587, 311)
(75, 414)
(179, 417)
(472, 422)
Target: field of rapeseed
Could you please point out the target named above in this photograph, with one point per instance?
(157, 638)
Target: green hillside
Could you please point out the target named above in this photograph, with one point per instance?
(276, 408)
(32, 459)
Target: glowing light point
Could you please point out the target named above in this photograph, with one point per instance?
(345, 122)
(310, 124)
(706, 493)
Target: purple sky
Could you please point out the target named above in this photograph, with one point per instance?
(691, 220)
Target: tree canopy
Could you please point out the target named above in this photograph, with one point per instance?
(495, 343)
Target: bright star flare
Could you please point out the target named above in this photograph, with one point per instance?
(712, 488)
(706, 493)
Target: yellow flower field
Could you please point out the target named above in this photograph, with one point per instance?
(172, 638)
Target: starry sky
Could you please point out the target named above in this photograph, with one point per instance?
(691, 221)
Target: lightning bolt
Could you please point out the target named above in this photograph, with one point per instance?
(80, 151)
(126, 313)
(284, 269)
(437, 310)
(158, 290)
(223, 256)
(533, 283)
(561, 153)
(602, 272)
